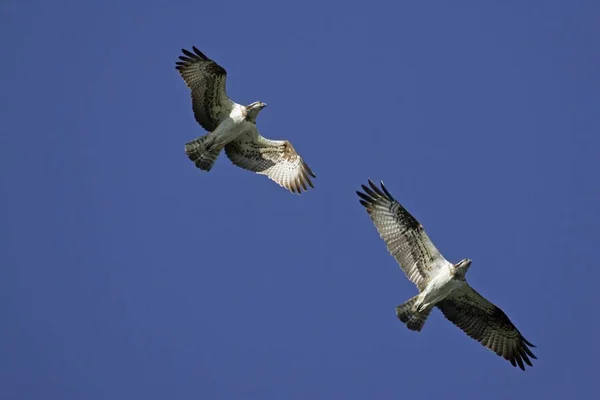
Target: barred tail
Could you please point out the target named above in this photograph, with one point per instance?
(413, 319)
(196, 151)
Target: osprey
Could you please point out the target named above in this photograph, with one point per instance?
(441, 284)
(233, 126)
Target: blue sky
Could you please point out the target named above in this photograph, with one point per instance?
(128, 273)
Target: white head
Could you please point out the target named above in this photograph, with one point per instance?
(462, 267)
(253, 109)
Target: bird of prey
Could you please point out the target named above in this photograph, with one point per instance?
(232, 126)
(441, 284)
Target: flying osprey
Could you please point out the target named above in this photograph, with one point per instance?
(233, 126)
(440, 282)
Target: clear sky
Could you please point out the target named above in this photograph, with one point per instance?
(127, 273)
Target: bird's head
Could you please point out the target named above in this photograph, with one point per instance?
(462, 267)
(253, 109)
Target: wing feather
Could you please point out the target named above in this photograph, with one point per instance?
(404, 236)
(488, 324)
(276, 159)
(207, 80)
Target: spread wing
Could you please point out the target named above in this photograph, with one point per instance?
(275, 158)
(487, 324)
(207, 80)
(404, 236)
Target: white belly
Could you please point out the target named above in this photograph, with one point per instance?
(437, 290)
(230, 128)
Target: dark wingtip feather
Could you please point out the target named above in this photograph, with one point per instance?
(370, 182)
(376, 189)
(364, 197)
(308, 170)
(303, 183)
(520, 362)
(388, 194)
(188, 53)
(185, 60)
(529, 352)
(198, 52)
(193, 56)
(292, 187)
(520, 355)
(370, 192)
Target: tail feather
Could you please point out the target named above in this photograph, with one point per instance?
(413, 319)
(202, 157)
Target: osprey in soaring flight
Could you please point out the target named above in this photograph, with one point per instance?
(441, 284)
(233, 126)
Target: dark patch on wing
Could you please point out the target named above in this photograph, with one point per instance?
(206, 79)
(488, 324)
(276, 159)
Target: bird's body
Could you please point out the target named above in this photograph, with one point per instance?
(441, 284)
(232, 127)
(438, 288)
